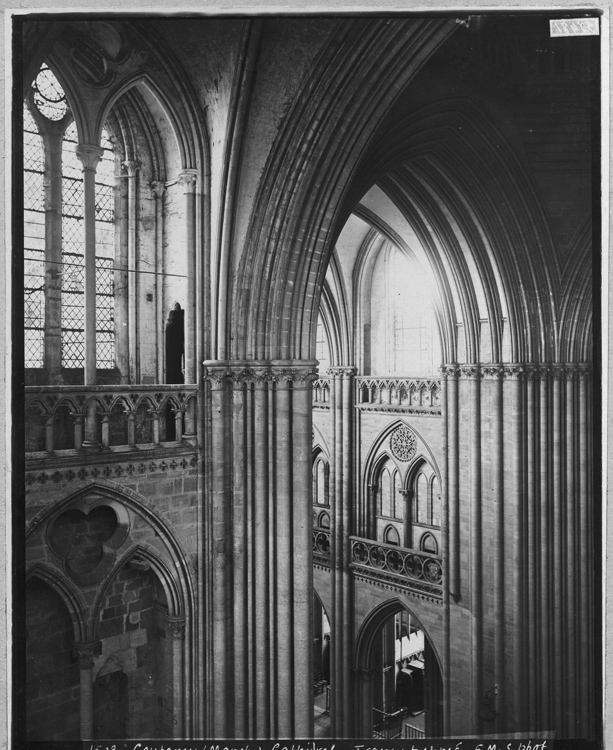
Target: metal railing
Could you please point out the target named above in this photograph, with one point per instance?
(412, 733)
(387, 726)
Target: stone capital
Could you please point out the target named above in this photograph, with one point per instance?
(187, 179)
(585, 371)
(514, 371)
(471, 372)
(493, 372)
(89, 156)
(176, 625)
(342, 371)
(217, 375)
(158, 189)
(558, 371)
(451, 370)
(131, 166)
(86, 653)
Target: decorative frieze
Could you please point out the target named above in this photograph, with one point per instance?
(108, 471)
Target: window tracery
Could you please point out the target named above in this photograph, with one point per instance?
(49, 95)
(50, 100)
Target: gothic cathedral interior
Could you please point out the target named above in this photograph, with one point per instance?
(308, 376)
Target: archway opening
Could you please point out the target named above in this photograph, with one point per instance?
(132, 695)
(321, 668)
(52, 673)
(403, 697)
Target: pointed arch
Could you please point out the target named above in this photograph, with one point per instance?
(67, 594)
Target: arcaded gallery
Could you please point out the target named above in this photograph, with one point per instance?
(310, 377)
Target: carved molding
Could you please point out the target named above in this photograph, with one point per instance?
(109, 471)
(389, 584)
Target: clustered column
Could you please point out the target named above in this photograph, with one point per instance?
(260, 548)
(341, 527)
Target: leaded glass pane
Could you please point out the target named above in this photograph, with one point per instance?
(73, 348)
(104, 202)
(32, 190)
(71, 164)
(33, 348)
(72, 235)
(104, 277)
(105, 252)
(73, 274)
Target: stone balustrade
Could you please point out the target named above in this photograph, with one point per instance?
(125, 417)
(321, 393)
(418, 395)
(407, 394)
(419, 572)
(321, 545)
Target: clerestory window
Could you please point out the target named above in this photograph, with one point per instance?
(55, 310)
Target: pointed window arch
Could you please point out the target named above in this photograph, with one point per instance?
(391, 536)
(54, 272)
(321, 480)
(385, 492)
(425, 521)
(429, 544)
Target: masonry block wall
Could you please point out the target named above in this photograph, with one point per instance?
(52, 671)
(134, 641)
(106, 542)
